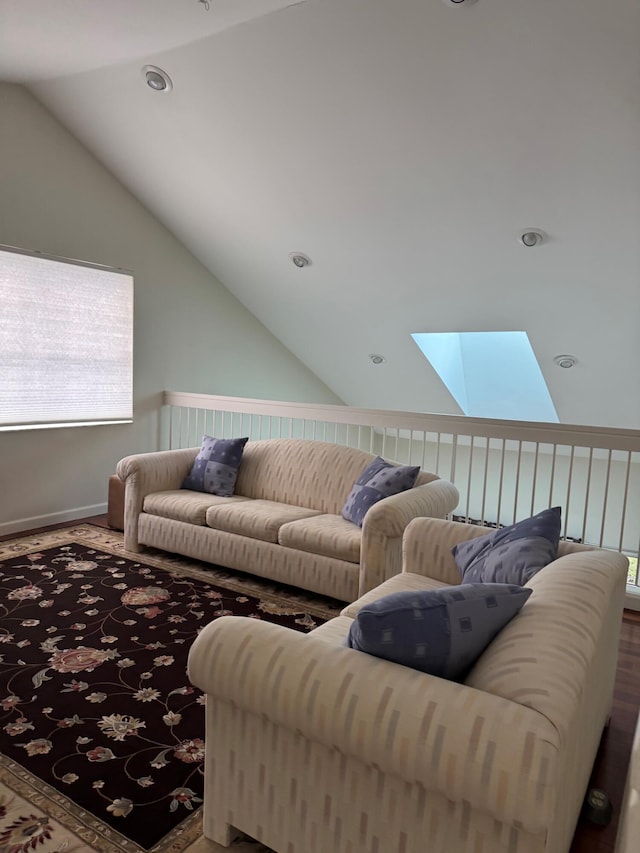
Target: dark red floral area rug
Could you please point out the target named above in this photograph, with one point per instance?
(99, 724)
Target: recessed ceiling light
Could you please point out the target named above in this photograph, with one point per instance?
(300, 259)
(376, 358)
(532, 237)
(157, 79)
(565, 361)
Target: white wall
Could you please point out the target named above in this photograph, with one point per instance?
(190, 333)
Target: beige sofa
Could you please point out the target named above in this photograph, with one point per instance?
(314, 747)
(283, 521)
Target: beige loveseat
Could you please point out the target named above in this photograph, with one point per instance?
(313, 747)
(283, 521)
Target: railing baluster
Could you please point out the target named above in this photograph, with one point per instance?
(452, 467)
(586, 499)
(484, 483)
(535, 476)
(470, 466)
(606, 495)
(501, 481)
(517, 483)
(553, 472)
(423, 454)
(568, 493)
(623, 514)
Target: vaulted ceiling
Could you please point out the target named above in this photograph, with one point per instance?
(403, 145)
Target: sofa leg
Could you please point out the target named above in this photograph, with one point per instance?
(221, 832)
(115, 503)
(131, 546)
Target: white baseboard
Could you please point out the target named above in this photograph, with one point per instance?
(20, 524)
(632, 598)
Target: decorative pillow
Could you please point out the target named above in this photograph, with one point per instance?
(441, 631)
(511, 554)
(379, 480)
(215, 469)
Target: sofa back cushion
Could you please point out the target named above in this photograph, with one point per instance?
(511, 554)
(427, 549)
(438, 631)
(379, 480)
(314, 474)
(216, 466)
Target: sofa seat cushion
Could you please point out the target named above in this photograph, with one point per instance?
(256, 519)
(397, 583)
(329, 535)
(184, 505)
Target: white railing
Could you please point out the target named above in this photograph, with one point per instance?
(504, 470)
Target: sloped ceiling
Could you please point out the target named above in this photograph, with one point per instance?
(404, 145)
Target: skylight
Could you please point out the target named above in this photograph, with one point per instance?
(490, 374)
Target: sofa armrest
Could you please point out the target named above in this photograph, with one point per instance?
(446, 737)
(427, 544)
(569, 632)
(385, 523)
(144, 473)
(391, 515)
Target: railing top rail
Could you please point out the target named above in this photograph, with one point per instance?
(457, 425)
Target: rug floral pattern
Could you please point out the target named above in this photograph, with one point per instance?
(95, 702)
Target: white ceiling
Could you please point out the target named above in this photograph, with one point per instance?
(40, 39)
(404, 145)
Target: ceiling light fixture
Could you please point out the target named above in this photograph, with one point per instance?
(300, 259)
(532, 237)
(458, 2)
(205, 3)
(377, 359)
(157, 79)
(565, 361)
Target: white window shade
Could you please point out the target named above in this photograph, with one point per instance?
(66, 342)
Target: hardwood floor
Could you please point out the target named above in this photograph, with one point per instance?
(610, 768)
(98, 520)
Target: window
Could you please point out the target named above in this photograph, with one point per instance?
(66, 342)
(490, 374)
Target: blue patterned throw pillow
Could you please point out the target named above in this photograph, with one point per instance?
(215, 469)
(511, 554)
(379, 480)
(441, 631)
